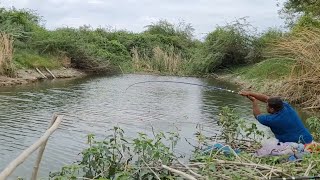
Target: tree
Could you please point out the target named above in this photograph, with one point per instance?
(184, 30)
(293, 10)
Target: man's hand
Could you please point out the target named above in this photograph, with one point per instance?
(251, 98)
(244, 93)
(260, 97)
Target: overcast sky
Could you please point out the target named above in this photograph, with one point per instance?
(133, 15)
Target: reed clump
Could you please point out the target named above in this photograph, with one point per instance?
(303, 84)
(167, 61)
(6, 54)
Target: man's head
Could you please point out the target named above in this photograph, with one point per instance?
(274, 105)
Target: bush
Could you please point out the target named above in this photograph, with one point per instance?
(260, 44)
(224, 47)
(30, 59)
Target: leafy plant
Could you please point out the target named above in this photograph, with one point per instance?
(118, 157)
(235, 128)
(314, 124)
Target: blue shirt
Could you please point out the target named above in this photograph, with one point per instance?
(286, 125)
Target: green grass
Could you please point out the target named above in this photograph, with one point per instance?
(270, 69)
(29, 59)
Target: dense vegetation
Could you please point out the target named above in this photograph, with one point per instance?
(162, 47)
(154, 157)
(289, 61)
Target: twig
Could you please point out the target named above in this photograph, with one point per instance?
(309, 169)
(44, 76)
(192, 172)
(238, 163)
(151, 169)
(185, 175)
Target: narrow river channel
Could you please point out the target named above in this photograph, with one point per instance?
(96, 104)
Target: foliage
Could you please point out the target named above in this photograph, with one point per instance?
(235, 128)
(293, 10)
(226, 46)
(163, 27)
(161, 61)
(30, 59)
(304, 22)
(18, 23)
(260, 44)
(118, 157)
(314, 124)
(144, 157)
(303, 49)
(310, 7)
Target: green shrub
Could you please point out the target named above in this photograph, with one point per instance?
(30, 59)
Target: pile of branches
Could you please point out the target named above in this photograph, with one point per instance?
(216, 164)
(303, 86)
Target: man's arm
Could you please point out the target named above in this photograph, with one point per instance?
(260, 97)
(255, 106)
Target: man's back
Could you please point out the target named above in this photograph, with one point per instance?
(286, 125)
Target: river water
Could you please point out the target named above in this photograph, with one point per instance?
(96, 104)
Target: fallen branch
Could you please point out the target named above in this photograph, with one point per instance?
(185, 175)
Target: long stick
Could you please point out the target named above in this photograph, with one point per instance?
(26, 153)
(54, 77)
(192, 172)
(185, 175)
(40, 154)
(41, 73)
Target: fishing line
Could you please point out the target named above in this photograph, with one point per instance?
(180, 82)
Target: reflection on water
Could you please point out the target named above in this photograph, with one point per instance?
(94, 105)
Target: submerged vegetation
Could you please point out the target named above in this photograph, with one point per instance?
(121, 157)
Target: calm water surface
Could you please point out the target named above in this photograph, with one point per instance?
(96, 104)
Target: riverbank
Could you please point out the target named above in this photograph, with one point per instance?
(265, 77)
(25, 76)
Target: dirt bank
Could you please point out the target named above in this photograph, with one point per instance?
(31, 75)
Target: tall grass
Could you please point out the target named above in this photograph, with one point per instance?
(303, 85)
(168, 62)
(6, 53)
(31, 59)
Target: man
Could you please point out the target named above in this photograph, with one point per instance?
(282, 119)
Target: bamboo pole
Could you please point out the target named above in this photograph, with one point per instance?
(41, 73)
(184, 175)
(54, 77)
(41, 150)
(26, 153)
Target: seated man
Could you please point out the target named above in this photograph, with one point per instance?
(282, 119)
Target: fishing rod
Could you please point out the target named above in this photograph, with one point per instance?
(180, 82)
(300, 178)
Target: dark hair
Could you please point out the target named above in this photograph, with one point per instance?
(276, 103)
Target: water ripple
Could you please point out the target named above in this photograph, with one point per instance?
(94, 105)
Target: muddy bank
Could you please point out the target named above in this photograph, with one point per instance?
(32, 75)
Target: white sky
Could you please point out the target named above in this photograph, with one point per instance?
(134, 15)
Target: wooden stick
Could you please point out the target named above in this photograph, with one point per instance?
(239, 163)
(54, 77)
(26, 153)
(41, 150)
(188, 168)
(41, 73)
(151, 170)
(309, 169)
(186, 176)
